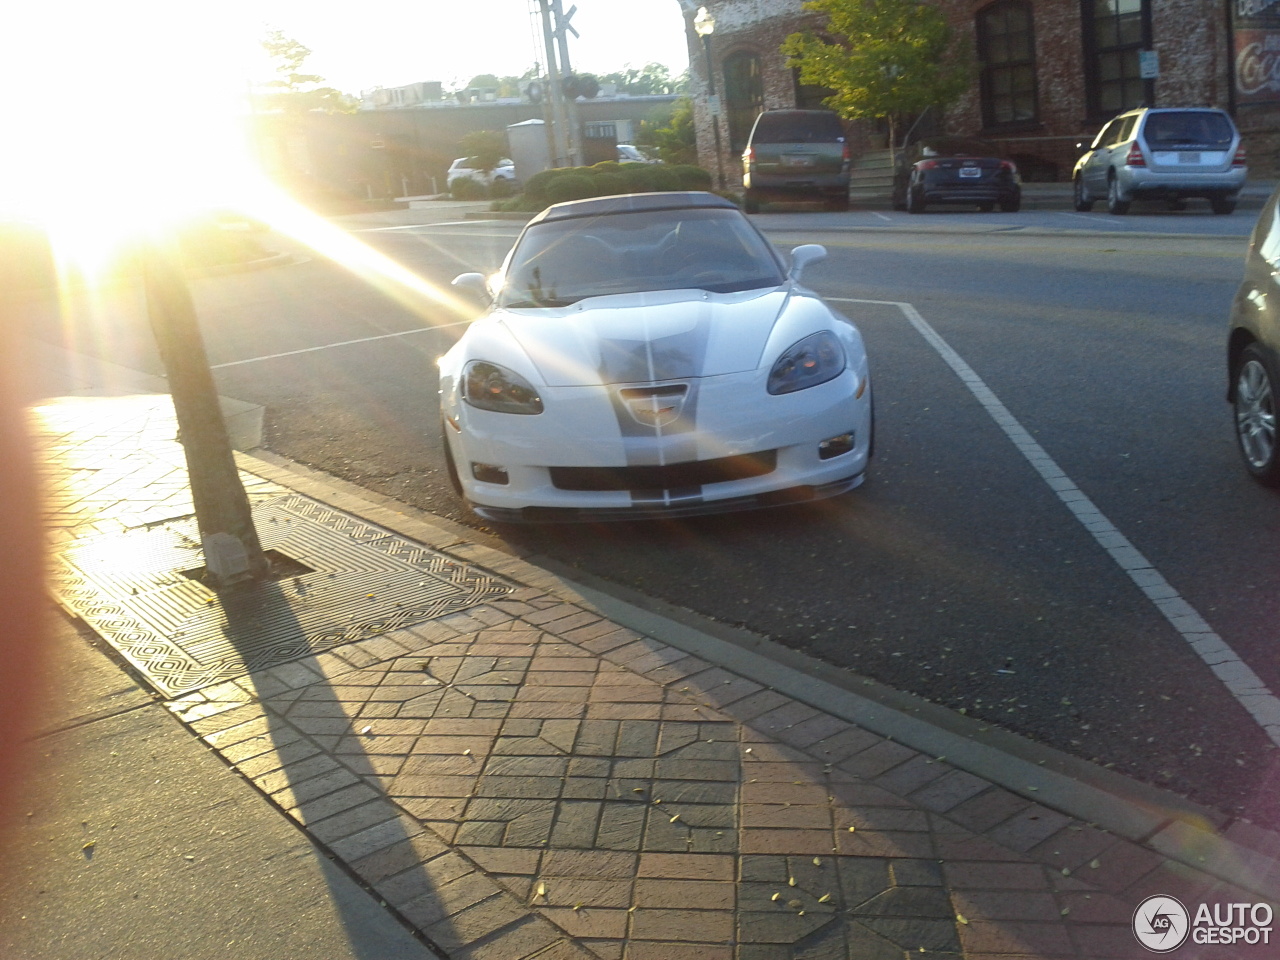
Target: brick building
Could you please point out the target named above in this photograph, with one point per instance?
(1048, 73)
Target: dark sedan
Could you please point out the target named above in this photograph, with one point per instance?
(955, 170)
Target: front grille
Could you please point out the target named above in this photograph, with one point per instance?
(674, 476)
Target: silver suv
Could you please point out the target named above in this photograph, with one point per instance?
(1163, 154)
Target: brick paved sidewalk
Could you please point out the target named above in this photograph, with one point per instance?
(527, 778)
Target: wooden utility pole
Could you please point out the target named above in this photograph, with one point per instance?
(232, 551)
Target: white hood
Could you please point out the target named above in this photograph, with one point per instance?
(642, 338)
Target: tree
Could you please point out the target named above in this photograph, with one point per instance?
(652, 78)
(294, 91)
(486, 147)
(891, 58)
(675, 142)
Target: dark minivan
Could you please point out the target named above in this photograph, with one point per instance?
(794, 154)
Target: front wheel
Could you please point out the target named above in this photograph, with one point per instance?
(1115, 205)
(1082, 201)
(1255, 415)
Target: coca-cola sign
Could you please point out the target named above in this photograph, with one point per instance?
(1257, 66)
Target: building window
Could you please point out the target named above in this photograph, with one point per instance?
(1116, 31)
(1007, 51)
(743, 96)
(809, 96)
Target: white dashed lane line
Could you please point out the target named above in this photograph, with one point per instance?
(1236, 675)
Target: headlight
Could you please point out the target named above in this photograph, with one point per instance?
(491, 387)
(814, 360)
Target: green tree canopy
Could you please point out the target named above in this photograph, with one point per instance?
(293, 91)
(486, 146)
(890, 58)
(674, 141)
(652, 78)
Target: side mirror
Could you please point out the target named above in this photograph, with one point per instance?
(804, 255)
(474, 287)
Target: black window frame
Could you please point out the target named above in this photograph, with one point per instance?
(1102, 41)
(1011, 67)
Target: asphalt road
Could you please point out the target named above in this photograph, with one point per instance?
(956, 572)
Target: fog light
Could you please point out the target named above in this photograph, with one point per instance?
(488, 473)
(835, 446)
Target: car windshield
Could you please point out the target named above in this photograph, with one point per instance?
(798, 127)
(562, 261)
(1200, 127)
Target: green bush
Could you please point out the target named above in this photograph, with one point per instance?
(691, 177)
(501, 189)
(608, 184)
(469, 188)
(662, 177)
(570, 185)
(535, 187)
(606, 166)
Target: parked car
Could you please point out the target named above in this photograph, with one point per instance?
(470, 167)
(651, 355)
(630, 153)
(955, 170)
(1162, 153)
(1253, 349)
(796, 154)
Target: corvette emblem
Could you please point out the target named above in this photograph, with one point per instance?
(657, 407)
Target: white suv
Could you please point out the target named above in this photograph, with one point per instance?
(1163, 154)
(469, 167)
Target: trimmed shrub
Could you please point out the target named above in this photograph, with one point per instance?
(468, 188)
(535, 188)
(691, 177)
(606, 166)
(501, 188)
(662, 177)
(570, 185)
(608, 184)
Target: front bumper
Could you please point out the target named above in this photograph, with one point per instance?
(738, 456)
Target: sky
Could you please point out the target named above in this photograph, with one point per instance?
(395, 42)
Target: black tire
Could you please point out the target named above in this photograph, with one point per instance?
(450, 466)
(1115, 205)
(1222, 206)
(1011, 206)
(836, 204)
(751, 201)
(1254, 407)
(915, 201)
(1177, 205)
(1082, 202)
(986, 207)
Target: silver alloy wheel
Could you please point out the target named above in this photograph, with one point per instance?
(1255, 415)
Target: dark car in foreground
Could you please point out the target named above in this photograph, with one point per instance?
(955, 170)
(1253, 349)
(796, 155)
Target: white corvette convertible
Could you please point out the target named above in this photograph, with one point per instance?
(651, 355)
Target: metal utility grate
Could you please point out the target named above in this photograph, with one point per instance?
(133, 589)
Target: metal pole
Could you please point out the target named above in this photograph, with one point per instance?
(232, 551)
(556, 91)
(573, 131)
(713, 108)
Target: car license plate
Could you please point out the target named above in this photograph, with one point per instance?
(797, 159)
(970, 171)
(1188, 156)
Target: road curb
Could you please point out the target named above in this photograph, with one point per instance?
(1176, 828)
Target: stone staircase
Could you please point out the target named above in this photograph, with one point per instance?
(871, 179)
